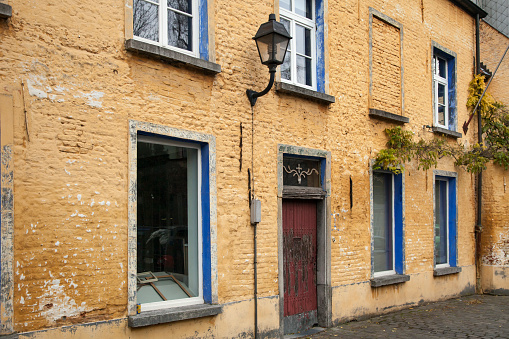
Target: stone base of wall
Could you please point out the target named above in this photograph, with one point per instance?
(495, 280)
(359, 301)
(236, 321)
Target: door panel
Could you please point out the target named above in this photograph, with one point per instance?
(299, 258)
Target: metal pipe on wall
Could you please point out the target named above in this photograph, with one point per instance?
(478, 227)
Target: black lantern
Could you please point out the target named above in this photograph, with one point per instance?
(272, 41)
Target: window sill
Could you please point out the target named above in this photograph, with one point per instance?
(172, 57)
(446, 132)
(5, 11)
(169, 315)
(389, 280)
(438, 272)
(290, 89)
(383, 115)
(9, 336)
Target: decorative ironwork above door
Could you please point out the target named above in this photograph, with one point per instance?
(301, 172)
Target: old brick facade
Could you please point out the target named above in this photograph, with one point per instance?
(77, 90)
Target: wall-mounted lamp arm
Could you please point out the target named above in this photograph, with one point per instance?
(252, 95)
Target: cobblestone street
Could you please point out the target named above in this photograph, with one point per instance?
(477, 316)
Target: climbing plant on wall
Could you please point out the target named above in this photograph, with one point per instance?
(402, 148)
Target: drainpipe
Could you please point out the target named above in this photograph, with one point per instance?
(478, 227)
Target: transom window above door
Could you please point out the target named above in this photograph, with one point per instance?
(301, 172)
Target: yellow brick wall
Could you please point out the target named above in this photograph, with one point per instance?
(493, 46)
(495, 235)
(71, 150)
(386, 49)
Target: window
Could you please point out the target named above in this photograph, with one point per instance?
(387, 224)
(168, 226)
(445, 221)
(444, 89)
(174, 24)
(304, 61)
(441, 90)
(171, 218)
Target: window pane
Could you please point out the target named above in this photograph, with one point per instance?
(303, 40)
(441, 115)
(286, 67)
(301, 172)
(146, 20)
(167, 223)
(441, 94)
(382, 222)
(442, 68)
(181, 5)
(304, 8)
(286, 4)
(304, 70)
(441, 235)
(180, 29)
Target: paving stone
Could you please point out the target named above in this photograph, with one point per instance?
(476, 316)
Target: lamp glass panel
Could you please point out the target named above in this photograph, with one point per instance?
(263, 44)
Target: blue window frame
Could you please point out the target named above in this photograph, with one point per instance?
(304, 61)
(172, 220)
(444, 231)
(444, 88)
(180, 25)
(387, 224)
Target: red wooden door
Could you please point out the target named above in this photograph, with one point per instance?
(299, 256)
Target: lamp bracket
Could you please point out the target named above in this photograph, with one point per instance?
(252, 95)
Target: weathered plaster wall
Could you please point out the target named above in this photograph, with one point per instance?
(495, 235)
(71, 164)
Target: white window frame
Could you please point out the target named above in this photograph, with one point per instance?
(393, 226)
(163, 27)
(309, 24)
(437, 79)
(447, 264)
(199, 299)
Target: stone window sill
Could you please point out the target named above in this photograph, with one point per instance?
(446, 132)
(438, 272)
(283, 87)
(389, 280)
(383, 115)
(171, 56)
(5, 11)
(169, 315)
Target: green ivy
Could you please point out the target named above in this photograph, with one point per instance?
(402, 148)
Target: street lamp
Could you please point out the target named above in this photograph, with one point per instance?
(272, 41)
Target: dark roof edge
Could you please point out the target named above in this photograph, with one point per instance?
(471, 8)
